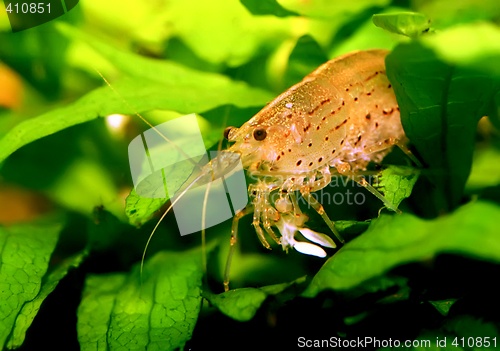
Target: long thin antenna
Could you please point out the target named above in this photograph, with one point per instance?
(163, 216)
(203, 231)
(168, 141)
(205, 202)
(147, 122)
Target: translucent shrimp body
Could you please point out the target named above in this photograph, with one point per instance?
(341, 117)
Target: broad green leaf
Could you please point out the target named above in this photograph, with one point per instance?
(328, 8)
(382, 283)
(157, 311)
(446, 13)
(242, 304)
(239, 304)
(306, 56)
(29, 310)
(196, 23)
(411, 24)
(160, 85)
(471, 327)
(440, 108)
(154, 189)
(245, 36)
(266, 7)
(485, 169)
(351, 226)
(140, 209)
(366, 36)
(396, 183)
(443, 306)
(144, 23)
(349, 229)
(25, 253)
(171, 73)
(96, 309)
(475, 46)
(391, 241)
(240, 35)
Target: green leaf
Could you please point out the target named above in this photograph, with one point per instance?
(140, 209)
(485, 169)
(328, 8)
(475, 46)
(239, 35)
(145, 22)
(349, 229)
(136, 95)
(267, 7)
(411, 24)
(222, 32)
(306, 56)
(157, 311)
(31, 308)
(470, 327)
(170, 73)
(440, 108)
(25, 253)
(239, 304)
(152, 192)
(366, 36)
(242, 304)
(443, 306)
(391, 241)
(445, 13)
(158, 85)
(396, 183)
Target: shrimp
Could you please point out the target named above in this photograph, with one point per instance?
(336, 121)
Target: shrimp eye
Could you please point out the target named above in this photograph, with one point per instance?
(226, 132)
(259, 134)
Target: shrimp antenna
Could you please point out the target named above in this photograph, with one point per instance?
(146, 121)
(203, 231)
(205, 202)
(172, 204)
(168, 141)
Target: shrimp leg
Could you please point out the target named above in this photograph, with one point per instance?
(234, 239)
